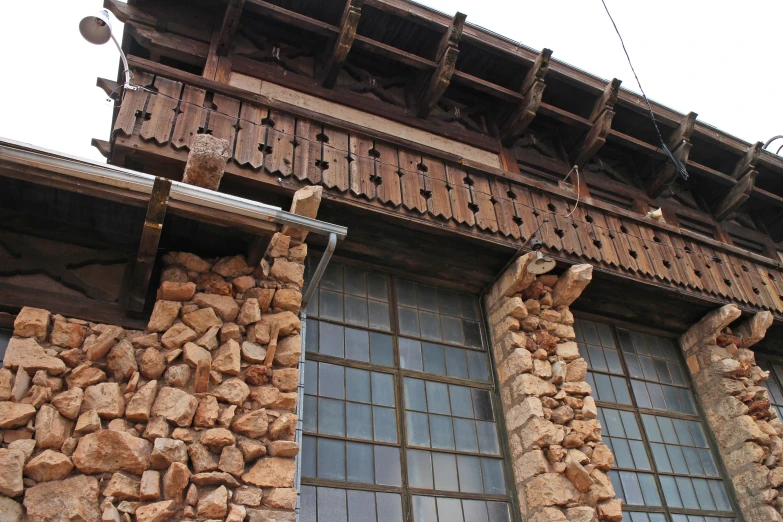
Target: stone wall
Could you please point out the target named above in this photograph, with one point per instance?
(558, 458)
(737, 407)
(192, 418)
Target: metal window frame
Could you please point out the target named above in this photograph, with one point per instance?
(406, 492)
(637, 411)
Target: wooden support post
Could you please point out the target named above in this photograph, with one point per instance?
(532, 90)
(256, 250)
(218, 66)
(735, 197)
(680, 146)
(342, 46)
(601, 119)
(148, 246)
(748, 162)
(446, 56)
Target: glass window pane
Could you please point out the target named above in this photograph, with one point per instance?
(359, 419)
(452, 329)
(430, 325)
(381, 349)
(359, 460)
(703, 494)
(332, 505)
(309, 507)
(409, 321)
(433, 358)
(670, 491)
(382, 389)
(387, 466)
(406, 292)
(492, 471)
(661, 457)
(331, 417)
(482, 405)
(662, 370)
(469, 474)
(468, 306)
(331, 339)
(355, 310)
(613, 361)
(331, 459)
(475, 510)
(649, 490)
(410, 354)
(604, 387)
(656, 396)
(311, 338)
(357, 344)
(415, 399)
(461, 402)
(331, 381)
(355, 282)
(622, 453)
(448, 302)
(672, 399)
(472, 333)
(442, 432)
(677, 459)
(310, 421)
(488, 438)
(687, 493)
(693, 461)
(376, 287)
(634, 367)
(498, 512)
(384, 424)
(444, 466)
(308, 456)
(631, 488)
(450, 509)
(465, 435)
(612, 423)
(361, 506)
(719, 495)
(639, 455)
(424, 509)
(621, 393)
(419, 469)
(456, 365)
(437, 398)
(597, 361)
(357, 385)
(333, 277)
(477, 365)
(389, 507)
(427, 299)
(379, 316)
(417, 428)
(331, 305)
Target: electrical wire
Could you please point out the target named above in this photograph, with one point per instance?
(677, 163)
(574, 168)
(466, 186)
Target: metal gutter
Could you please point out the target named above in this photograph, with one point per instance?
(312, 285)
(109, 175)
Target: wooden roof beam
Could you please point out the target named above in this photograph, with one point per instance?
(601, 123)
(748, 161)
(532, 89)
(342, 46)
(680, 146)
(218, 66)
(735, 197)
(440, 79)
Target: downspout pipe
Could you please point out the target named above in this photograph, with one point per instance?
(316, 279)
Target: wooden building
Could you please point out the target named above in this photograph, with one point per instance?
(443, 149)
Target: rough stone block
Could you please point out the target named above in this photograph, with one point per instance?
(206, 161)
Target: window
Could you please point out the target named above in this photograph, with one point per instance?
(399, 410)
(663, 460)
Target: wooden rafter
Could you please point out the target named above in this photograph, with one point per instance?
(748, 161)
(218, 66)
(446, 56)
(735, 197)
(342, 46)
(680, 146)
(148, 245)
(532, 90)
(601, 120)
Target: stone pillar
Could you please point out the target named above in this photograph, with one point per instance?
(559, 461)
(737, 407)
(192, 418)
(206, 161)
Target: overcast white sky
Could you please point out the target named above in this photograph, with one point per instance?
(719, 58)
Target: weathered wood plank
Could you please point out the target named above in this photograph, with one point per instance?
(279, 150)
(484, 207)
(547, 234)
(713, 267)
(687, 267)
(587, 234)
(436, 182)
(608, 243)
(307, 154)
(459, 195)
(412, 181)
(161, 110)
(334, 162)
(446, 57)
(223, 118)
(504, 207)
(736, 196)
(362, 166)
(631, 231)
(524, 207)
(133, 104)
(251, 137)
(770, 287)
(564, 224)
(656, 254)
(342, 46)
(191, 119)
(386, 171)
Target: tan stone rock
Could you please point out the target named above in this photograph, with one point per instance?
(289, 350)
(231, 461)
(152, 364)
(32, 322)
(214, 504)
(209, 340)
(263, 295)
(568, 351)
(70, 500)
(157, 512)
(12, 511)
(165, 452)
(88, 422)
(206, 413)
(611, 511)
(106, 399)
(217, 438)
(236, 513)
(122, 487)
(526, 384)
(51, 428)
(202, 320)
(85, 375)
(224, 306)
(250, 312)
(6, 384)
(140, 405)
(233, 391)
(251, 448)
(283, 448)
(227, 359)
(253, 353)
(164, 313)
(177, 335)
(11, 469)
(202, 459)
(112, 451)
(270, 515)
(193, 353)
(515, 279)
(518, 361)
(281, 498)
(176, 291)
(226, 416)
(175, 480)
(286, 402)
(283, 427)
(286, 271)
(581, 514)
(550, 489)
(31, 356)
(549, 514)
(286, 380)
(49, 465)
(67, 335)
(298, 253)
(257, 375)
(178, 376)
(175, 405)
(15, 415)
(21, 385)
(150, 485)
(249, 496)
(26, 446)
(272, 472)
(201, 376)
(186, 260)
(287, 299)
(254, 424)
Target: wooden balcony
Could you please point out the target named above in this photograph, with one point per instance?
(280, 147)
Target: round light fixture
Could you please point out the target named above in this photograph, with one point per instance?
(541, 264)
(96, 29)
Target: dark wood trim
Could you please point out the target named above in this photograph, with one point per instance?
(735, 197)
(532, 89)
(342, 46)
(446, 56)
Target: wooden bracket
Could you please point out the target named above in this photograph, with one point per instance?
(748, 162)
(218, 65)
(735, 197)
(594, 140)
(680, 146)
(446, 56)
(533, 90)
(342, 46)
(111, 88)
(104, 147)
(607, 99)
(148, 246)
